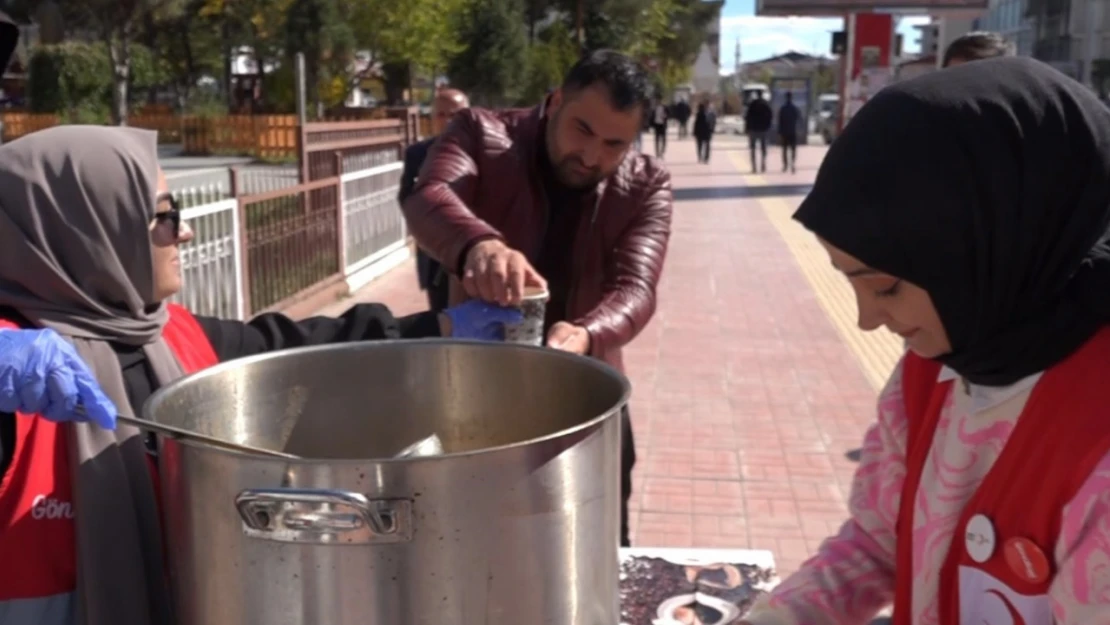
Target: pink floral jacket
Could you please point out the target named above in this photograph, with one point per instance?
(851, 577)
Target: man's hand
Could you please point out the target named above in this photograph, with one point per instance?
(496, 273)
(569, 338)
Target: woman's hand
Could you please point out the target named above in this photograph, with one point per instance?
(476, 319)
(41, 373)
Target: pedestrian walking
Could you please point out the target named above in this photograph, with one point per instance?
(682, 116)
(789, 119)
(757, 123)
(705, 124)
(659, 118)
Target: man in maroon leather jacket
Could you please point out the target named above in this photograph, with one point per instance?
(554, 196)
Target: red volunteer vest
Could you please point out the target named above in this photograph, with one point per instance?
(36, 513)
(1062, 435)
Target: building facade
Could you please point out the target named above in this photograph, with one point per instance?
(1009, 19)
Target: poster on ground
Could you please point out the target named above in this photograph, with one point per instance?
(692, 586)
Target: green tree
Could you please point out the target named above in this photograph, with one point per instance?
(405, 35)
(256, 27)
(318, 29)
(490, 68)
(549, 59)
(118, 24)
(675, 54)
(653, 26)
(74, 78)
(189, 48)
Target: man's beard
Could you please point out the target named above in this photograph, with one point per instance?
(568, 171)
(564, 166)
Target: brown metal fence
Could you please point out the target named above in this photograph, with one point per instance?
(367, 143)
(294, 242)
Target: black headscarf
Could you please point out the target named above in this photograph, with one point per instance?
(988, 185)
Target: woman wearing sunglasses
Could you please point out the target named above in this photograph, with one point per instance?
(89, 239)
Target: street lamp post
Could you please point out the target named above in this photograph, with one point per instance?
(579, 24)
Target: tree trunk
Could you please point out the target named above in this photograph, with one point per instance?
(186, 87)
(229, 64)
(119, 49)
(395, 82)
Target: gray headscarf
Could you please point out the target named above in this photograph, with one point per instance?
(76, 203)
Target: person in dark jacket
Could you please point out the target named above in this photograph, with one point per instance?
(660, 117)
(757, 122)
(789, 120)
(705, 124)
(428, 272)
(682, 117)
(555, 197)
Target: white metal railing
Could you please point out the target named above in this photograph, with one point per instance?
(211, 265)
(196, 187)
(373, 227)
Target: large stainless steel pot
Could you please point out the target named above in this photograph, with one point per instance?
(517, 524)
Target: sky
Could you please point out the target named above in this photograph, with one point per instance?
(761, 37)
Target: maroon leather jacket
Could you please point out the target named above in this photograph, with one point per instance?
(481, 181)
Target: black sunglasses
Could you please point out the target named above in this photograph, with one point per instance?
(173, 215)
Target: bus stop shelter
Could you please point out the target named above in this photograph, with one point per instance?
(867, 55)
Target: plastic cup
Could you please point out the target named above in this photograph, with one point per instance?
(529, 331)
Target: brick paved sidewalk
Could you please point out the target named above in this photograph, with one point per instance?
(746, 396)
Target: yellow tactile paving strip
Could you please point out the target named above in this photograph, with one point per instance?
(877, 352)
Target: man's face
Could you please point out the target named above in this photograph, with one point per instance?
(444, 109)
(586, 137)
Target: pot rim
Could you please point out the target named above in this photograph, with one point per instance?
(163, 394)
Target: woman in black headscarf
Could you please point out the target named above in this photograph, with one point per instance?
(969, 210)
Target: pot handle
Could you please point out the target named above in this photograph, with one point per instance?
(320, 516)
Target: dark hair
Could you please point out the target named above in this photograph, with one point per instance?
(624, 78)
(977, 46)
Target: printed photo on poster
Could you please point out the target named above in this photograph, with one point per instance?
(691, 586)
(870, 56)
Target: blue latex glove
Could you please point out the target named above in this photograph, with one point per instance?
(41, 373)
(480, 320)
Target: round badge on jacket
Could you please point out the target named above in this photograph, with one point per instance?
(1027, 560)
(979, 538)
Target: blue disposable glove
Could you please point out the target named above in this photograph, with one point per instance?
(480, 320)
(41, 373)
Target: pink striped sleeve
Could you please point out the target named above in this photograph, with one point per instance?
(851, 577)
(1080, 592)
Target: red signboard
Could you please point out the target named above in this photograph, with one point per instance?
(867, 64)
(871, 39)
(837, 8)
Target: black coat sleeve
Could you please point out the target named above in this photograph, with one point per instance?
(414, 160)
(272, 331)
